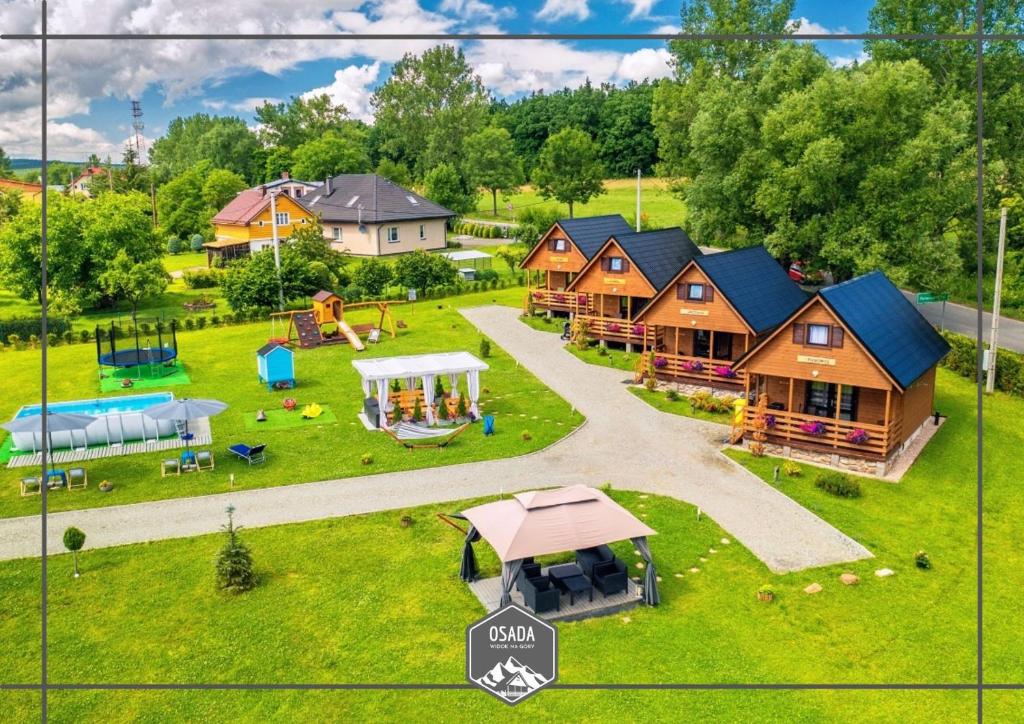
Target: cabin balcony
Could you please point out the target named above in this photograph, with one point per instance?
(816, 432)
(698, 370)
(558, 301)
(615, 329)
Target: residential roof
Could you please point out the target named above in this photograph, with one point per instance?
(225, 243)
(888, 326)
(243, 208)
(270, 347)
(23, 186)
(755, 284)
(369, 198)
(659, 254)
(281, 181)
(591, 232)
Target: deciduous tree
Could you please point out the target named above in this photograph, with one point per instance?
(568, 169)
(491, 162)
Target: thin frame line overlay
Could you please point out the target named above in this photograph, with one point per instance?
(979, 38)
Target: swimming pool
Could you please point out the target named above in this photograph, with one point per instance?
(119, 420)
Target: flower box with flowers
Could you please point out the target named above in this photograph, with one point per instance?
(638, 330)
(769, 421)
(814, 428)
(581, 299)
(539, 296)
(660, 363)
(857, 436)
(724, 371)
(559, 298)
(614, 327)
(692, 365)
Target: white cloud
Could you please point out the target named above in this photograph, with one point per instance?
(561, 9)
(845, 61)
(352, 88)
(809, 27)
(477, 10)
(245, 105)
(644, 64)
(667, 29)
(640, 8)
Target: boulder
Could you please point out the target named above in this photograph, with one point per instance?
(885, 572)
(849, 579)
(813, 588)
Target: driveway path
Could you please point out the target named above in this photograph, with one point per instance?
(624, 442)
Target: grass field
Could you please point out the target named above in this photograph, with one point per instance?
(148, 613)
(662, 208)
(185, 260)
(221, 363)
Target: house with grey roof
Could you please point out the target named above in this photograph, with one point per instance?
(369, 215)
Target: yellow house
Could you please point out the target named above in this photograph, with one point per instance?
(246, 224)
(31, 192)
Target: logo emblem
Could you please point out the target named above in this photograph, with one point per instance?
(511, 654)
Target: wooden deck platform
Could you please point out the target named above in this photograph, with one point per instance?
(488, 592)
(201, 438)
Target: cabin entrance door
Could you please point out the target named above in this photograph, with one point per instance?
(823, 398)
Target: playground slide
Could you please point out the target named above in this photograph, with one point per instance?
(351, 336)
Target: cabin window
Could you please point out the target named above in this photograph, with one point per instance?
(336, 231)
(558, 245)
(819, 335)
(702, 343)
(723, 346)
(281, 218)
(615, 263)
(298, 192)
(392, 234)
(822, 399)
(695, 292)
(423, 231)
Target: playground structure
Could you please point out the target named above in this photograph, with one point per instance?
(325, 323)
(138, 359)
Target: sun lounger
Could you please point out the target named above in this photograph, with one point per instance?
(77, 479)
(170, 466)
(31, 486)
(204, 460)
(252, 455)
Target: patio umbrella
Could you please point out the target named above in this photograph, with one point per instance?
(184, 410)
(55, 422)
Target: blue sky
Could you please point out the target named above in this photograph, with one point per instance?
(91, 86)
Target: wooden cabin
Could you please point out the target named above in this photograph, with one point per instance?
(713, 311)
(560, 255)
(622, 277)
(850, 374)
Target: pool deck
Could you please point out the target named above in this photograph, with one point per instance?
(201, 437)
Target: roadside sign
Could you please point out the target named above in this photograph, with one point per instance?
(412, 295)
(931, 297)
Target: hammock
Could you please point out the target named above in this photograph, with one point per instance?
(409, 434)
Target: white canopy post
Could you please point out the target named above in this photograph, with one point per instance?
(473, 383)
(453, 384)
(382, 400)
(428, 397)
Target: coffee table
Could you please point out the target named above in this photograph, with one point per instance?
(569, 579)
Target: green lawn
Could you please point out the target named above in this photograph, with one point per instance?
(185, 260)
(221, 363)
(662, 208)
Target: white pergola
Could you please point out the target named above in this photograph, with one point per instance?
(379, 372)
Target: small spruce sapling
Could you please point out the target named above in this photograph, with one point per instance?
(417, 411)
(485, 348)
(460, 407)
(74, 539)
(234, 562)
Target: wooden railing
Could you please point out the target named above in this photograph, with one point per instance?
(611, 329)
(842, 435)
(558, 301)
(702, 370)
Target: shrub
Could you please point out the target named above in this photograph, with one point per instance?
(33, 341)
(485, 348)
(68, 337)
(922, 560)
(792, 469)
(145, 327)
(202, 278)
(215, 321)
(196, 242)
(74, 539)
(84, 336)
(173, 245)
(838, 484)
(417, 411)
(353, 293)
(442, 411)
(526, 435)
(201, 322)
(14, 340)
(234, 562)
(602, 351)
(25, 326)
(486, 275)
(190, 323)
(671, 395)
(373, 275)
(366, 458)
(460, 406)
(52, 340)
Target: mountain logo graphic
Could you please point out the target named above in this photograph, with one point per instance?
(511, 680)
(511, 654)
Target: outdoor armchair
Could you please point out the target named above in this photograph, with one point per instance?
(31, 486)
(528, 570)
(77, 478)
(539, 594)
(204, 460)
(587, 558)
(610, 577)
(252, 455)
(170, 466)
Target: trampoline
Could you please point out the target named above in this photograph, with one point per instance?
(135, 357)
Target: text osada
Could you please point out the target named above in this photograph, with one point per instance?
(511, 633)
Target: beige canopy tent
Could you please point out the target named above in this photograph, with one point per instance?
(541, 522)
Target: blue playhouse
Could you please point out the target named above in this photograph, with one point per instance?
(276, 366)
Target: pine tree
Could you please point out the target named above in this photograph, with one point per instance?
(460, 407)
(234, 562)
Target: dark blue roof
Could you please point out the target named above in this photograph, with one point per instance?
(590, 233)
(270, 347)
(756, 286)
(888, 326)
(659, 254)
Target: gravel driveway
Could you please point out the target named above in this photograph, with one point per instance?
(624, 442)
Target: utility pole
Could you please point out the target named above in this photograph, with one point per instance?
(638, 200)
(990, 381)
(277, 252)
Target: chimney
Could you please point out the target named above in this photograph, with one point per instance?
(328, 184)
(285, 175)
(263, 190)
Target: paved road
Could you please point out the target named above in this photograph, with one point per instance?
(624, 442)
(965, 321)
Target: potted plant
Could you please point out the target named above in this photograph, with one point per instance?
(614, 327)
(638, 330)
(106, 486)
(289, 403)
(814, 427)
(766, 593)
(660, 362)
(539, 296)
(560, 298)
(769, 421)
(724, 371)
(693, 365)
(857, 436)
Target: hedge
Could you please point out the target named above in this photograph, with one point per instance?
(963, 359)
(27, 326)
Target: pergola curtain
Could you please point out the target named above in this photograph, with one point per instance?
(509, 573)
(367, 388)
(428, 397)
(468, 570)
(651, 597)
(382, 400)
(453, 384)
(473, 383)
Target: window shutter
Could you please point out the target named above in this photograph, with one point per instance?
(605, 263)
(798, 334)
(709, 293)
(680, 291)
(625, 266)
(837, 337)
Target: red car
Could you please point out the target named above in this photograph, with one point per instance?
(801, 274)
